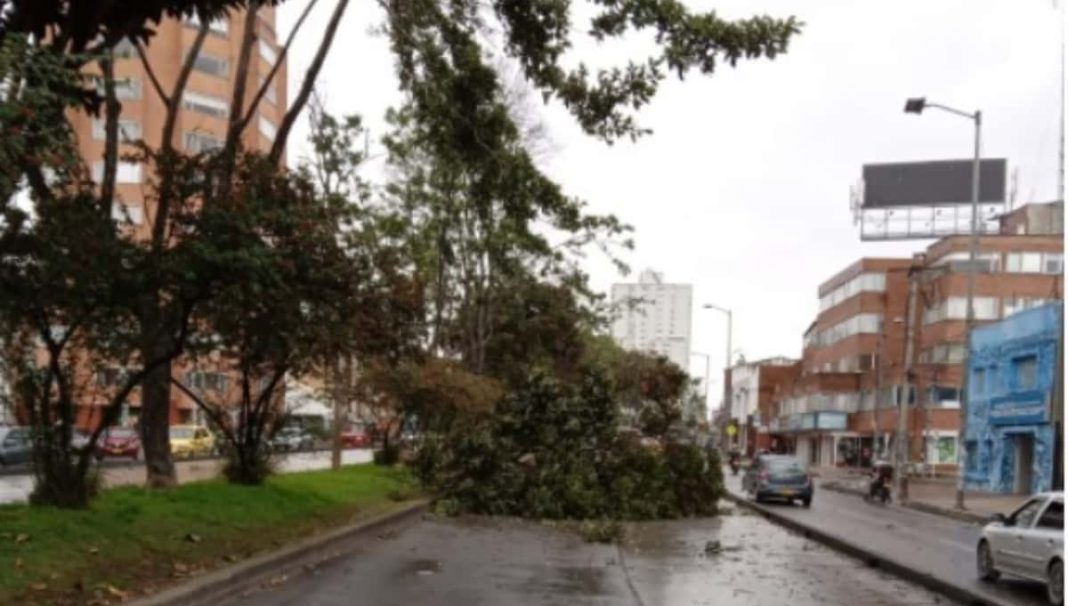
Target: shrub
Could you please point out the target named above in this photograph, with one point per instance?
(554, 450)
(388, 455)
(248, 466)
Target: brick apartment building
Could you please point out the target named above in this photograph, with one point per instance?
(752, 388)
(201, 126)
(856, 365)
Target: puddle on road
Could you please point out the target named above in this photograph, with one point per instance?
(746, 560)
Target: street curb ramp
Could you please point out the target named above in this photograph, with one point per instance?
(874, 559)
(230, 582)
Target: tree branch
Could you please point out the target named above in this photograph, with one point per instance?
(151, 74)
(167, 141)
(237, 102)
(309, 83)
(112, 108)
(282, 54)
(175, 99)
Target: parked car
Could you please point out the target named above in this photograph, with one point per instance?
(188, 441)
(778, 477)
(290, 439)
(16, 445)
(355, 436)
(1027, 543)
(118, 442)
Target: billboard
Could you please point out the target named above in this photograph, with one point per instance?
(934, 183)
(925, 200)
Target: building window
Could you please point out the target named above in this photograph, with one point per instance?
(271, 92)
(206, 104)
(1023, 262)
(1026, 371)
(268, 129)
(124, 49)
(1011, 305)
(210, 381)
(219, 26)
(942, 449)
(201, 142)
(126, 89)
(956, 308)
(211, 64)
(129, 130)
(868, 282)
(125, 173)
(127, 212)
(267, 51)
(1053, 263)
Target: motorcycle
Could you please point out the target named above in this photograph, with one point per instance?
(735, 461)
(882, 474)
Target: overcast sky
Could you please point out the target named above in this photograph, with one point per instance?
(743, 189)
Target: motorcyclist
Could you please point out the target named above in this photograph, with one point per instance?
(734, 459)
(879, 484)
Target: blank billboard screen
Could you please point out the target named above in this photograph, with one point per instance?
(932, 183)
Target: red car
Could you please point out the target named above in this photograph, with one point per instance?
(355, 436)
(119, 442)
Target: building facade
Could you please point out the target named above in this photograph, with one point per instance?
(751, 391)
(654, 316)
(1009, 433)
(201, 126)
(892, 331)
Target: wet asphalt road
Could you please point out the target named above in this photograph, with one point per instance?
(485, 561)
(941, 545)
(15, 488)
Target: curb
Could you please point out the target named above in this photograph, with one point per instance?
(226, 583)
(956, 514)
(953, 591)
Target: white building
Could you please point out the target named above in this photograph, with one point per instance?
(654, 317)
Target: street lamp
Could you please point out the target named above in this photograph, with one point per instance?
(916, 106)
(727, 360)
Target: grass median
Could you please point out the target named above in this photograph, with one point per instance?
(133, 541)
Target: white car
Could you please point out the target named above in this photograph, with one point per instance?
(1028, 543)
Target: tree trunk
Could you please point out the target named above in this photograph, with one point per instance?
(156, 408)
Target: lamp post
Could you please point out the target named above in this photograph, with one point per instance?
(727, 360)
(916, 106)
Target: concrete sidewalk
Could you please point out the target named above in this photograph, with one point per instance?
(933, 495)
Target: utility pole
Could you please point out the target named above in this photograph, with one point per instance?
(902, 487)
(969, 318)
(878, 399)
(916, 106)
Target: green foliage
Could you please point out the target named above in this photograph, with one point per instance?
(429, 37)
(555, 450)
(132, 536)
(388, 455)
(87, 24)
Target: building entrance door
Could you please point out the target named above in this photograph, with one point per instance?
(1025, 453)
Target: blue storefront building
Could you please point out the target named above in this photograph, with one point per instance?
(1009, 432)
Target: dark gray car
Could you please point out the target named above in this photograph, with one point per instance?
(778, 477)
(16, 445)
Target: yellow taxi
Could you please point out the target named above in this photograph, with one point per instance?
(188, 441)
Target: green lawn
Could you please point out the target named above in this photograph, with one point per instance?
(136, 539)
